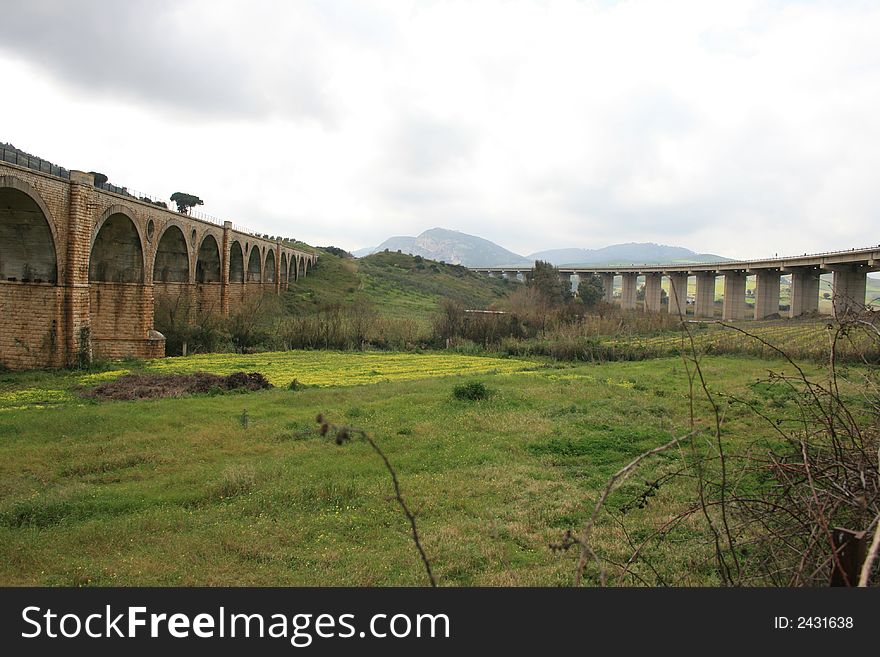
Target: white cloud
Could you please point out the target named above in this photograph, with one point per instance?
(738, 128)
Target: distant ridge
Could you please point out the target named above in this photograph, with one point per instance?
(459, 248)
(635, 253)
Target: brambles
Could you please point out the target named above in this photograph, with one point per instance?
(796, 509)
(473, 391)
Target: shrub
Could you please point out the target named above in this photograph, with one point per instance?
(473, 391)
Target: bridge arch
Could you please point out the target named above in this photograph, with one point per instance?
(117, 254)
(236, 263)
(171, 263)
(208, 266)
(27, 236)
(284, 272)
(269, 268)
(254, 272)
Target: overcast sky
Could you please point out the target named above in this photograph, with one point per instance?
(739, 128)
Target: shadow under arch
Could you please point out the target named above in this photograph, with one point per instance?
(254, 272)
(117, 254)
(269, 268)
(27, 237)
(208, 266)
(236, 263)
(171, 263)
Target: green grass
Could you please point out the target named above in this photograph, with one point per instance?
(311, 368)
(800, 338)
(179, 492)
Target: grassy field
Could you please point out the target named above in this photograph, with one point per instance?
(40, 389)
(181, 492)
(800, 338)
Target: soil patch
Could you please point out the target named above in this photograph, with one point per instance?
(153, 386)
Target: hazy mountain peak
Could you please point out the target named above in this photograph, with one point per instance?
(455, 247)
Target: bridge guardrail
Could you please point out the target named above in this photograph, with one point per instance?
(682, 266)
(14, 156)
(19, 158)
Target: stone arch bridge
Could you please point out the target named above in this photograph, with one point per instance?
(81, 269)
(849, 270)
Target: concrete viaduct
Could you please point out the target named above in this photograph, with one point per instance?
(849, 269)
(81, 268)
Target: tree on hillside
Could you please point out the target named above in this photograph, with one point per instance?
(590, 290)
(545, 279)
(185, 201)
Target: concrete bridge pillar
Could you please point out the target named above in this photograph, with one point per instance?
(804, 292)
(734, 295)
(653, 292)
(704, 303)
(512, 276)
(607, 287)
(678, 289)
(766, 293)
(849, 287)
(565, 277)
(628, 292)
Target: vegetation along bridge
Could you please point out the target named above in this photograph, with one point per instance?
(81, 267)
(849, 269)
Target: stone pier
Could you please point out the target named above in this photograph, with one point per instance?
(565, 277)
(804, 291)
(607, 287)
(766, 293)
(734, 295)
(628, 293)
(653, 292)
(678, 289)
(849, 287)
(704, 302)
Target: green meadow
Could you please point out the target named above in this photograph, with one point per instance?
(241, 489)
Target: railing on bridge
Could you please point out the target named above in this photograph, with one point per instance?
(721, 264)
(22, 159)
(17, 157)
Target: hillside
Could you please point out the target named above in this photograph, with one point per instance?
(394, 284)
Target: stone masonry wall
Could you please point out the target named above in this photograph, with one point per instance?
(45, 325)
(31, 326)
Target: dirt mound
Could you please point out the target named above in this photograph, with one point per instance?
(153, 386)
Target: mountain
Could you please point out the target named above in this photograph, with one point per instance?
(400, 243)
(453, 247)
(462, 249)
(636, 253)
